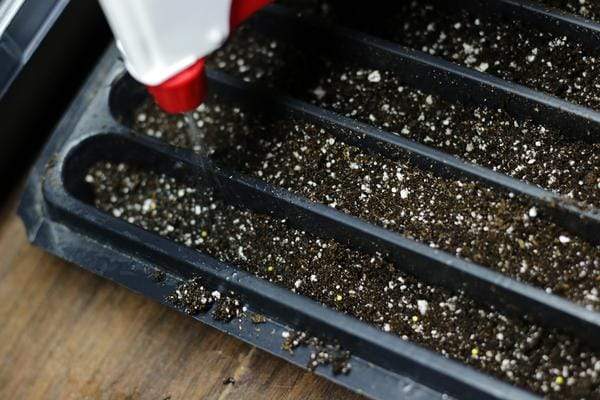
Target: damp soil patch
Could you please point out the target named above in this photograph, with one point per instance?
(465, 218)
(365, 286)
(508, 48)
(546, 156)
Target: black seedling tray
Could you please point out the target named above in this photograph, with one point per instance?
(59, 215)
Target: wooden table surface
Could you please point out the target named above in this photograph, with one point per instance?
(68, 334)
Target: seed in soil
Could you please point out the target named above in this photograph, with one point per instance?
(374, 290)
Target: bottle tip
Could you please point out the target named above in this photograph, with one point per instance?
(183, 92)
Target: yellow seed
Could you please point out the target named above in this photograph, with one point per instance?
(415, 318)
(204, 234)
(270, 268)
(474, 351)
(560, 380)
(338, 297)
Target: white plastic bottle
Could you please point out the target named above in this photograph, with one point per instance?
(164, 42)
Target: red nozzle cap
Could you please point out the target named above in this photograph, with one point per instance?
(183, 92)
(243, 9)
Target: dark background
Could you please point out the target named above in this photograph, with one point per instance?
(45, 86)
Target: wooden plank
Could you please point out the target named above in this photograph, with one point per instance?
(65, 333)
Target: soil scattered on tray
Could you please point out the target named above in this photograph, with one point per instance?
(227, 307)
(158, 276)
(321, 353)
(507, 47)
(258, 318)
(192, 297)
(364, 286)
(462, 217)
(589, 9)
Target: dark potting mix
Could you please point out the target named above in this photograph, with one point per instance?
(497, 230)
(500, 231)
(554, 159)
(507, 47)
(362, 285)
(466, 218)
(589, 9)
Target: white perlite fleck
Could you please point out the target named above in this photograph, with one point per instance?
(505, 366)
(241, 253)
(404, 193)
(564, 239)
(148, 205)
(319, 92)
(423, 306)
(285, 334)
(533, 212)
(386, 327)
(216, 294)
(374, 77)
(483, 67)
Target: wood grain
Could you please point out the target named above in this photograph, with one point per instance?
(68, 334)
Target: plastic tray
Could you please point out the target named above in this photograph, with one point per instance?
(59, 217)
